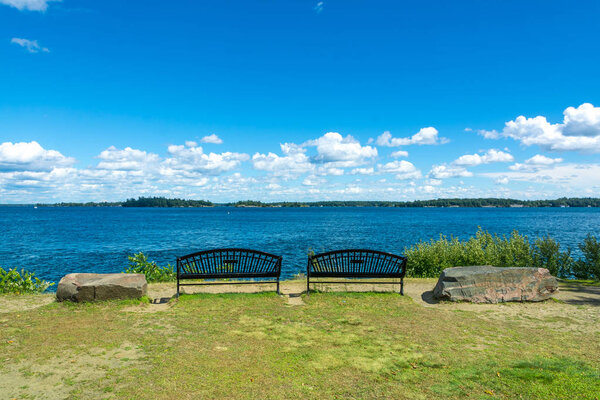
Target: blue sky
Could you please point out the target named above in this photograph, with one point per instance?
(298, 100)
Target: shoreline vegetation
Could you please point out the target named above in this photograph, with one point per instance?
(162, 202)
(426, 259)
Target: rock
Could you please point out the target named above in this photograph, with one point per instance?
(91, 287)
(487, 284)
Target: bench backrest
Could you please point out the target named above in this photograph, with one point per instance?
(356, 263)
(228, 263)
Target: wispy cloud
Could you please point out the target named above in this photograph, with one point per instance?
(319, 7)
(31, 5)
(31, 46)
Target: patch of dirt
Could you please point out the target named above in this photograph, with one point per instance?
(294, 299)
(57, 377)
(23, 302)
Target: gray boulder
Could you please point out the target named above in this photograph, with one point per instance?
(487, 284)
(92, 287)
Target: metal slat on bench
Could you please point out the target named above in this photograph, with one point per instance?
(356, 263)
(228, 263)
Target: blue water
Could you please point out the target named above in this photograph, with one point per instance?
(55, 241)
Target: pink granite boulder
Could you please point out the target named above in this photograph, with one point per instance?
(487, 284)
(92, 287)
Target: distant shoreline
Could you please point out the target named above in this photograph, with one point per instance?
(161, 202)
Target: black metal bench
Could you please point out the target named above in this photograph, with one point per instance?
(228, 264)
(356, 264)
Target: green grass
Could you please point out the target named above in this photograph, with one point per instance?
(338, 345)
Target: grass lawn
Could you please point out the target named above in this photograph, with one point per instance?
(336, 345)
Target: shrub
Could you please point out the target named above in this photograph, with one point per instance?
(139, 264)
(588, 267)
(20, 282)
(429, 259)
(547, 254)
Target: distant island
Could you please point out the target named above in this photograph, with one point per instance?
(163, 202)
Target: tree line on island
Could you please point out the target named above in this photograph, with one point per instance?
(164, 202)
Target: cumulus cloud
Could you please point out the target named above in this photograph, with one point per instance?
(294, 162)
(31, 46)
(535, 162)
(491, 156)
(211, 139)
(31, 5)
(428, 135)
(403, 169)
(30, 156)
(193, 159)
(444, 171)
(341, 151)
(399, 153)
(127, 159)
(579, 130)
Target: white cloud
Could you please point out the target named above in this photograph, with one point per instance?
(539, 159)
(341, 151)
(362, 171)
(433, 182)
(582, 121)
(493, 134)
(570, 177)
(30, 156)
(330, 171)
(579, 131)
(535, 162)
(192, 159)
(31, 46)
(31, 5)
(211, 139)
(294, 162)
(127, 159)
(428, 135)
(502, 180)
(313, 181)
(273, 186)
(403, 169)
(491, 156)
(399, 153)
(444, 171)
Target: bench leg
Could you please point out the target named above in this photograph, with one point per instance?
(402, 286)
(278, 286)
(307, 285)
(177, 288)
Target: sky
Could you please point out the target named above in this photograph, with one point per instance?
(298, 100)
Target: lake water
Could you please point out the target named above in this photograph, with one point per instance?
(55, 241)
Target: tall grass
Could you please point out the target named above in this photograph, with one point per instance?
(21, 282)
(427, 259)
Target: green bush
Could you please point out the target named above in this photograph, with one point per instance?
(139, 264)
(20, 282)
(547, 254)
(429, 259)
(588, 267)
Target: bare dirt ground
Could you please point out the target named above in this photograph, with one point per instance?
(54, 378)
